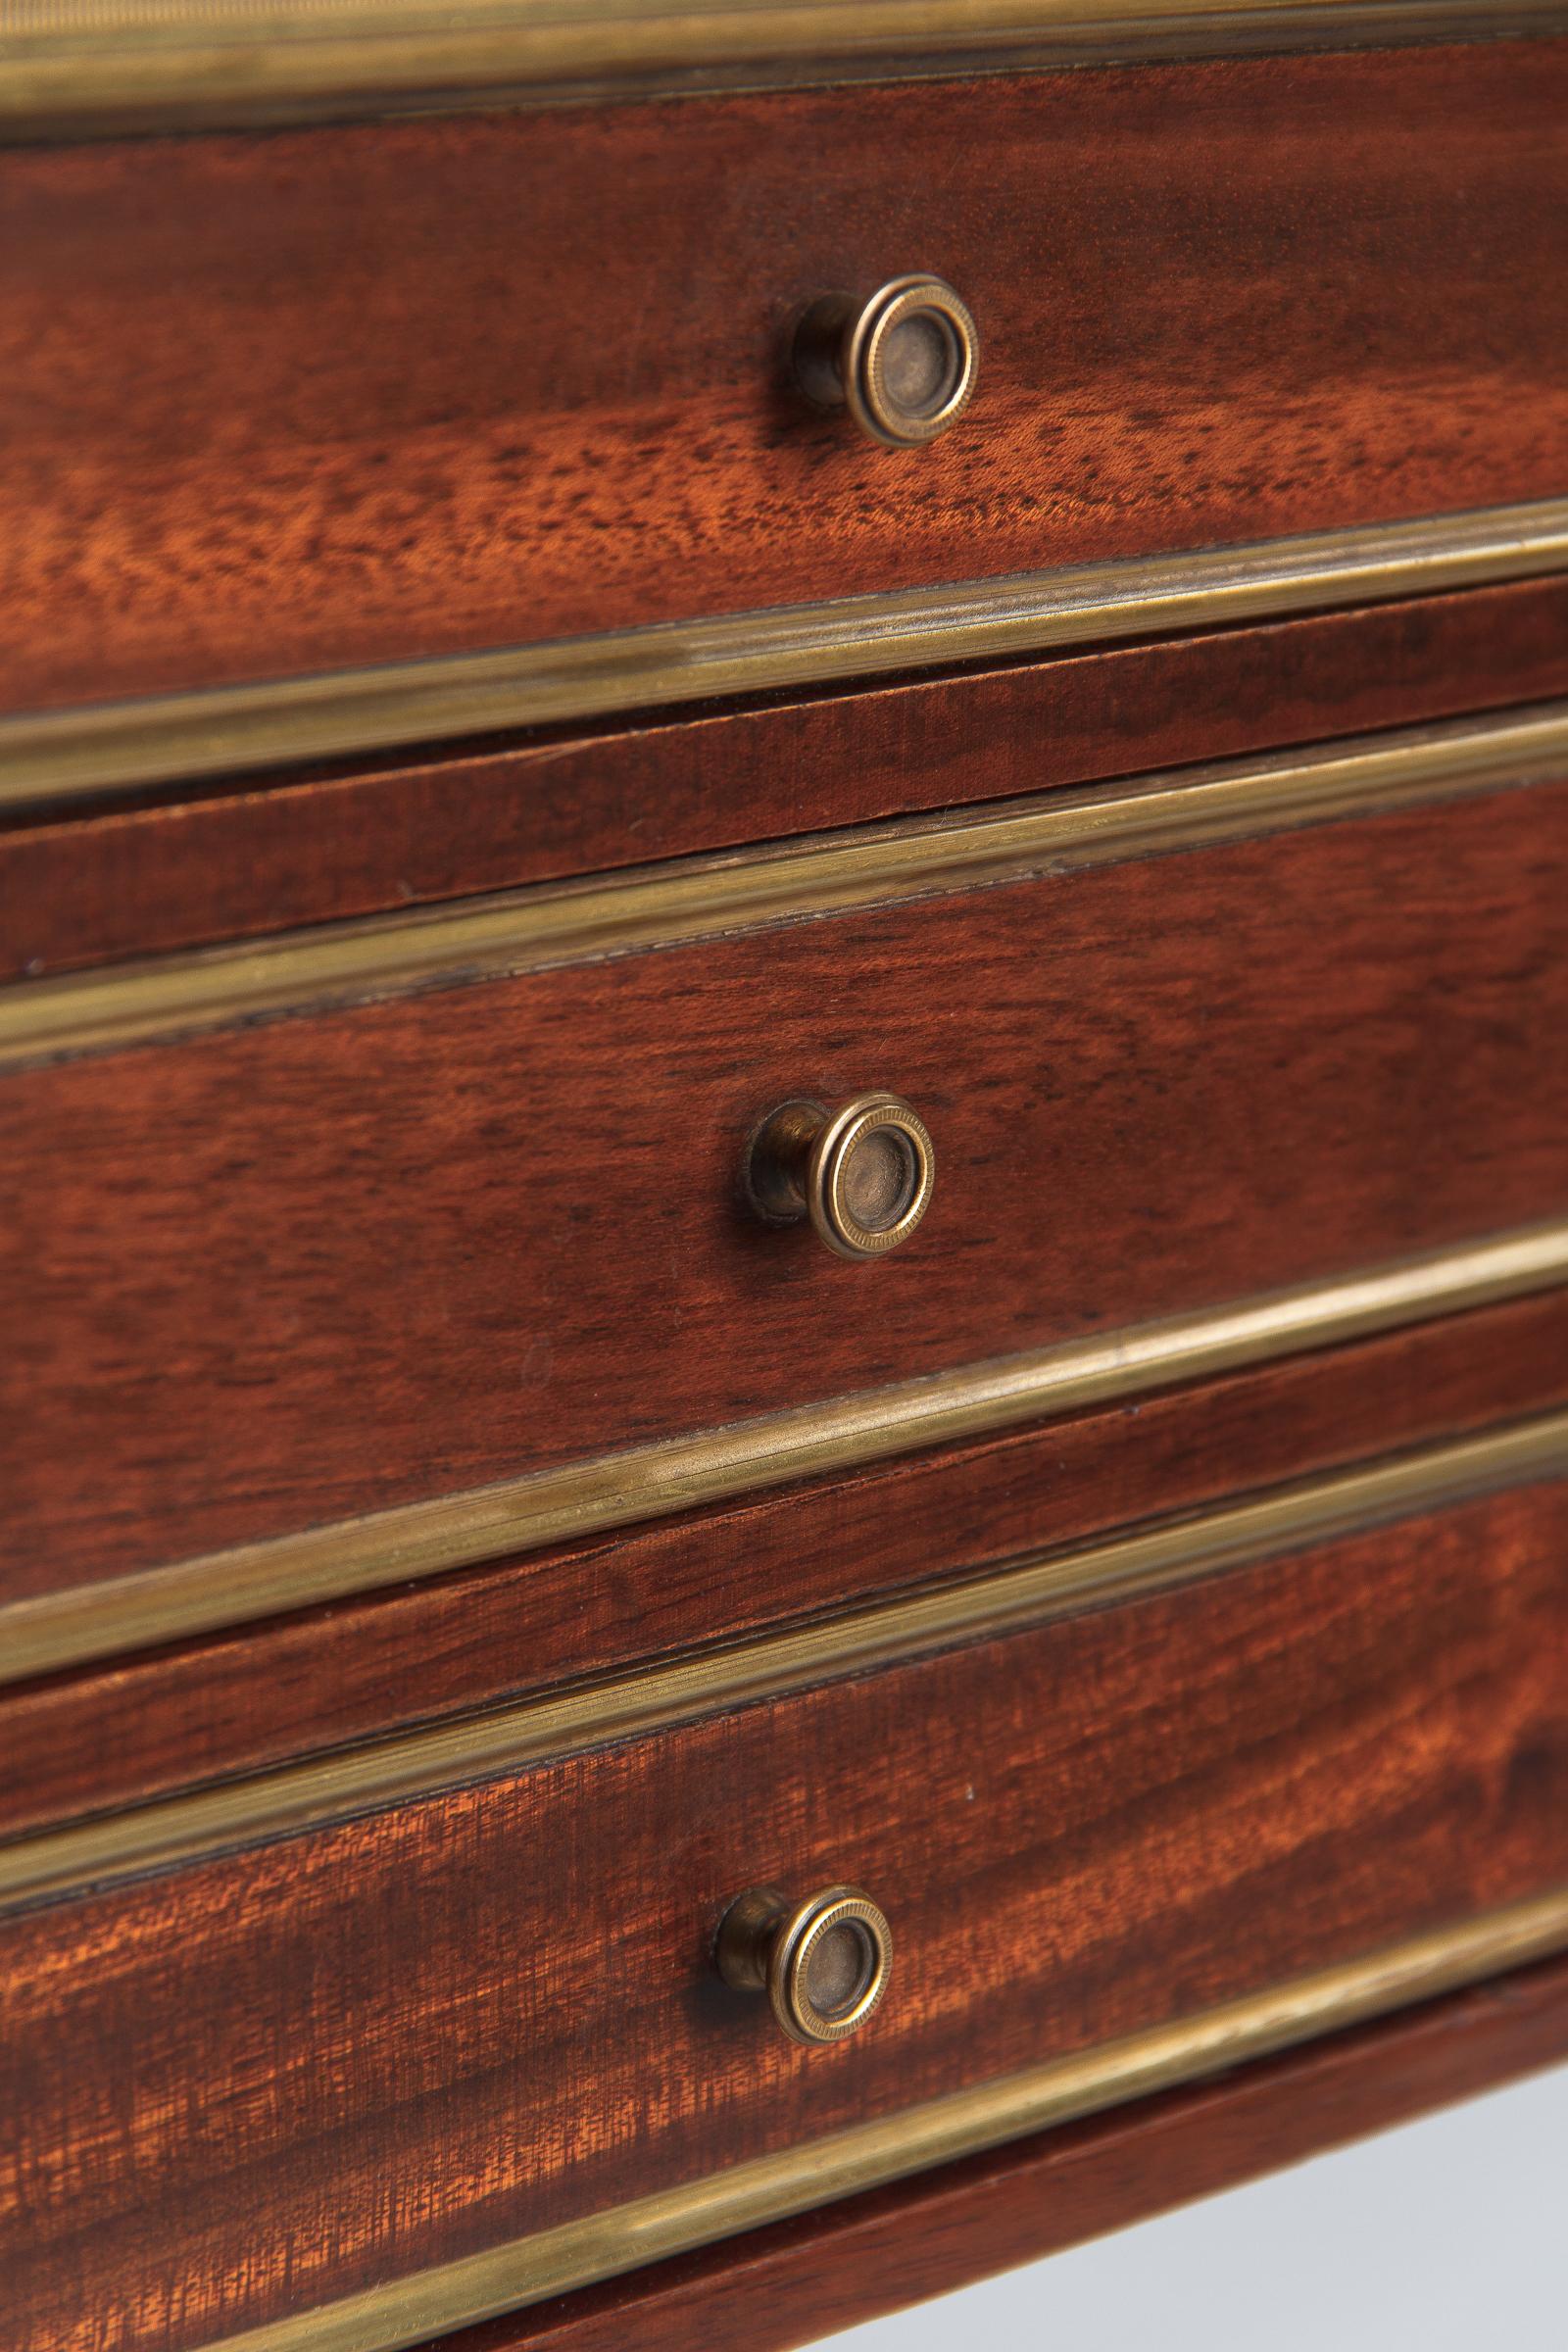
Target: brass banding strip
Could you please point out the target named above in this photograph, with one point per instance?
(768, 2189)
(657, 907)
(646, 1482)
(631, 1704)
(51, 756)
(116, 64)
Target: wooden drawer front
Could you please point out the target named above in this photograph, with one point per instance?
(347, 395)
(279, 1275)
(279, 2078)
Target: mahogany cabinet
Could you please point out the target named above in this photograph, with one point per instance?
(783, 978)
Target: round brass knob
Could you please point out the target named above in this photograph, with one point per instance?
(904, 362)
(823, 1963)
(862, 1175)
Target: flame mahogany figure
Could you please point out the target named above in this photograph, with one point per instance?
(351, 394)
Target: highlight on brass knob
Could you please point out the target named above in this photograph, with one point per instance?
(823, 1963)
(862, 1175)
(903, 361)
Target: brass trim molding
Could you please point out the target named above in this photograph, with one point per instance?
(648, 1482)
(291, 1799)
(153, 64)
(768, 2189)
(383, 957)
(51, 756)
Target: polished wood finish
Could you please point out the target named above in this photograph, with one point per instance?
(778, 2289)
(330, 843)
(288, 402)
(272, 2078)
(391, 1252)
(136, 1728)
(355, 394)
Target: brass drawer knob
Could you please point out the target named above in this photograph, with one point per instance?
(862, 1175)
(904, 362)
(823, 1963)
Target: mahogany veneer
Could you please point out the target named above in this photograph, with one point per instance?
(360, 393)
(262, 2081)
(380, 1254)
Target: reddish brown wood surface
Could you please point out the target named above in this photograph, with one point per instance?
(323, 845)
(108, 1735)
(294, 2071)
(266, 1279)
(775, 2289)
(283, 402)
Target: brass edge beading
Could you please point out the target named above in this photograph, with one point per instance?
(646, 1482)
(607, 1490)
(379, 958)
(50, 757)
(295, 1797)
(121, 65)
(768, 2189)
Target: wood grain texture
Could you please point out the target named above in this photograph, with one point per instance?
(353, 394)
(90, 1741)
(282, 1275)
(321, 845)
(288, 2073)
(778, 2289)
